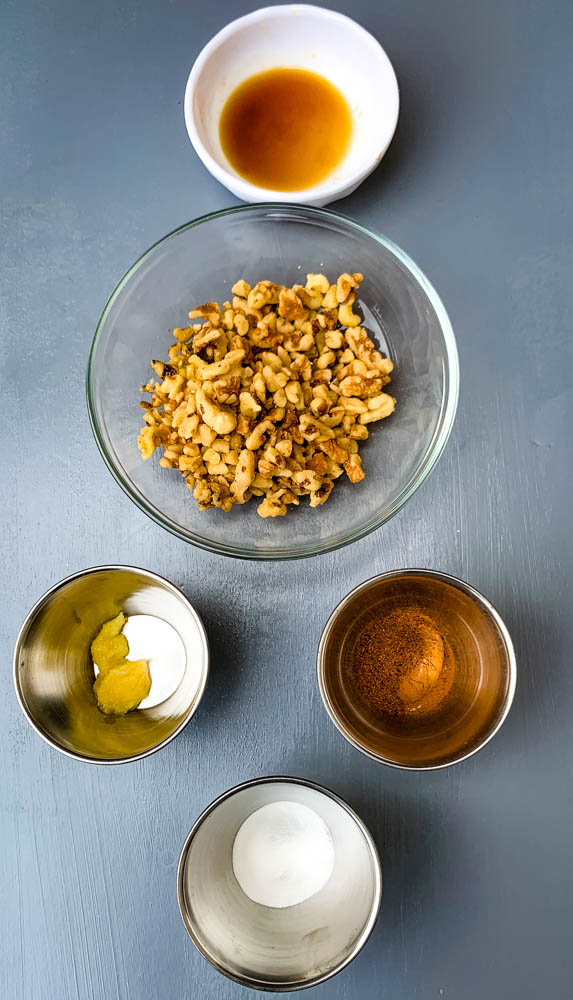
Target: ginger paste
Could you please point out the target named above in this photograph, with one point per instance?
(121, 683)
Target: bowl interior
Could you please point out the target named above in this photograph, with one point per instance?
(266, 947)
(304, 38)
(55, 675)
(483, 677)
(200, 263)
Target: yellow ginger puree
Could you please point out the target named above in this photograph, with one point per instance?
(121, 683)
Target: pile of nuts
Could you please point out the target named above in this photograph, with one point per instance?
(268, 395)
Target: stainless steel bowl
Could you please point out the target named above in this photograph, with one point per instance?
(54, 675)
(278, 949)
(484, 676)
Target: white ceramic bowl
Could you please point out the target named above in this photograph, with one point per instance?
(303, 37)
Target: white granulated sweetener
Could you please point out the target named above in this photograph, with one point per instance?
(282, 854)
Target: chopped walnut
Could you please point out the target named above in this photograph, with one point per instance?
(268, 395)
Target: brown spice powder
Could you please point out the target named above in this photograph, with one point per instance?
(402, 664)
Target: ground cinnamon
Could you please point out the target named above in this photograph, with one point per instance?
(401, 663)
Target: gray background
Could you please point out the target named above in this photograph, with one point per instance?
(477, 187)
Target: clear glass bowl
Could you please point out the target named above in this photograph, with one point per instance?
(199, 263)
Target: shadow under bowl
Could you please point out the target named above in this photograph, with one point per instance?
(484, 671)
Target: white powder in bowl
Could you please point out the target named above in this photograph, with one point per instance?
(282, 854)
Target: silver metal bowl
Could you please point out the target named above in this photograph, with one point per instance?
(484, 676)
(278, 949)
(54, 675)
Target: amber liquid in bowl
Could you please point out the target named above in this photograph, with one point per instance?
(285, 129)
(478, 689)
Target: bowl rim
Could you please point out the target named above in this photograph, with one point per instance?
(29, 619)
(374, 911)
(482, 601)
(239, 185)
(433, 451)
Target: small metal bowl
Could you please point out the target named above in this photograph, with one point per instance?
(54, 674)
(278, 949)
(484, 676)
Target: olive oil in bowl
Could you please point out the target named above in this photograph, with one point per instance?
(285, 129)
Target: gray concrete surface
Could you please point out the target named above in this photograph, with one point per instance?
(95, 166)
